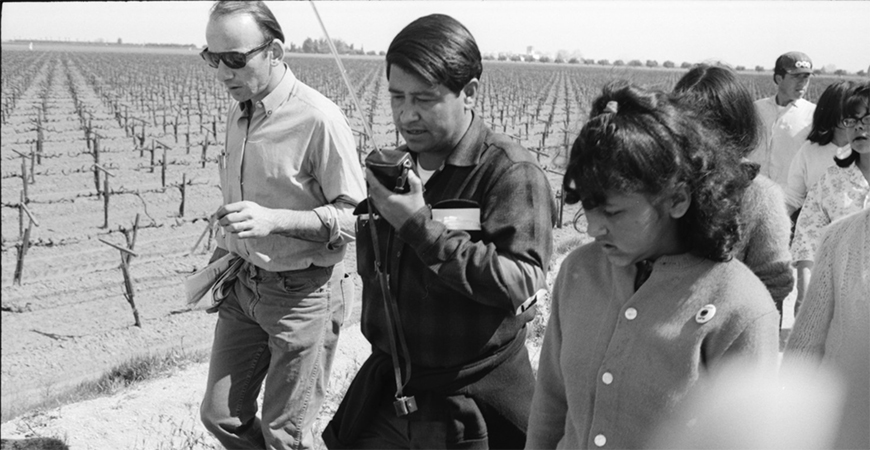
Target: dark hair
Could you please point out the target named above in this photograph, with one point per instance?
(438, 49)
(653, 145)
(856, 99)
(258, 10)
(715, 92)
(829, 112)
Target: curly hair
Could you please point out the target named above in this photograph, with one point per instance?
(640, 141)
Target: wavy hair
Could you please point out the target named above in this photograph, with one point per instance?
(438, 49)
(640, 141)
(715, 92)
(829, 112)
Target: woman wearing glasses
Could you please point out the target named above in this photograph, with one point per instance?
(842, 190)
(828, 139)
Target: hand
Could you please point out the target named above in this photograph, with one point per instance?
(246, 219)
(394, 207)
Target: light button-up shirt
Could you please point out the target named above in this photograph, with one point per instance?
(785, 130)
(293, 150)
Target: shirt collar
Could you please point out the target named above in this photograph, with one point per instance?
(277, 97)
(469, 148)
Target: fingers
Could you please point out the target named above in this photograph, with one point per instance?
(415, 182)
(375, 186)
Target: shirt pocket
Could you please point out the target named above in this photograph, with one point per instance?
(459, 215)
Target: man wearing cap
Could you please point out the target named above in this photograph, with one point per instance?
(786, 117)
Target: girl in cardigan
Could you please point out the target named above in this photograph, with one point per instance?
(639, 315)
(827, 140)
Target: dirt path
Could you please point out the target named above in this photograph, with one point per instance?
(160, 413)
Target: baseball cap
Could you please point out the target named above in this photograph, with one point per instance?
(794, 62)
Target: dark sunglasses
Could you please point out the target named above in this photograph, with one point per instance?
(233, 60)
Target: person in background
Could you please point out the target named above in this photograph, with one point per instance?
(827, 139)
(290, 179)
(657, 301)
(833, 327)
(714, 91)
(842, 190)
(464, 255)
(786, 117)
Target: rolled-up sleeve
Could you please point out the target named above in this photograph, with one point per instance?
(338, 172)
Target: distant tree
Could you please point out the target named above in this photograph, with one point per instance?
(559, 61)
(120, 41)
(740, 68)
(516, 58)
(819, 71)
(372, 53)
(340, 46)
(589, 62)
(635, 63)
(668, 64)
(382, 53)
(544, 59)
(840, 72)
(759, 68)
(619, 63)
(652, 63)
(685, 65)
(861, 73)
(293, 48)
(308, 46)
(603, 62)
(573, 61)
(502, 57)
(488, 57)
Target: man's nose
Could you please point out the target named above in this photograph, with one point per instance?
(408, 113)
(223, 72)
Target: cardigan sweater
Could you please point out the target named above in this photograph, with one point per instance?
(763, 246)
(833, 326)
(614, 360)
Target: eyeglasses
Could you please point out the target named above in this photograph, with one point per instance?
(851, 122)
(233, 60)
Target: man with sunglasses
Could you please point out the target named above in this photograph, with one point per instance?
(290, 179)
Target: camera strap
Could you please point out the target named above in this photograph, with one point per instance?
(403, 405)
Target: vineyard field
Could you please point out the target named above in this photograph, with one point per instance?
(93, 139)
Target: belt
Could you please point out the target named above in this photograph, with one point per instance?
(310, 270)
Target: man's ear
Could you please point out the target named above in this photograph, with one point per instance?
(277, 52)
(679, 201)
(470, 90)
(777, 79)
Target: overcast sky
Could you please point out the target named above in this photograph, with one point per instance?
(746, 33)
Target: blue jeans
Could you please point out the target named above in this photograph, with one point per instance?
(281, 327)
